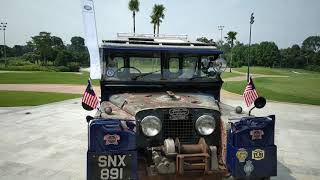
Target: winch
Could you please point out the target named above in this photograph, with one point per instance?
(192, 157)
(175, 157)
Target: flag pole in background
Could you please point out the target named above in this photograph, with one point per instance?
(91, 38)
(249, 56)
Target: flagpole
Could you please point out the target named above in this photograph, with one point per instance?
(91, 39)
(249, 56)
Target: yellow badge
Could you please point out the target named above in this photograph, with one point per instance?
(242, 154)
(258, 154)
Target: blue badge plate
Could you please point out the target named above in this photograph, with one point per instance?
(112, 165)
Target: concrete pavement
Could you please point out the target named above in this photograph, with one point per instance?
(51, 142)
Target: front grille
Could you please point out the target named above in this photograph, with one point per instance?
(183, 129)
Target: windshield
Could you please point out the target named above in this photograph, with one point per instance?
(157, 67)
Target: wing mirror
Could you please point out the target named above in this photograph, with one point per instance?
(259, 103)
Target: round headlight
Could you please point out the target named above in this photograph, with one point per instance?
(220, 65)
(205, 125)
(151, 126)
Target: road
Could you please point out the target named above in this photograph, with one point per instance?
(50, 141)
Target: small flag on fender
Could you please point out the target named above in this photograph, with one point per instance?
(89, 100)
(250, 93)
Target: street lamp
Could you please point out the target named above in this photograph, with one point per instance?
(220, 28)
(251, 22)
(3, 27)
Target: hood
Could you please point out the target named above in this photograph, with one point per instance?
(135, 102)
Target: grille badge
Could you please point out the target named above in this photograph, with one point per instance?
(178, 114)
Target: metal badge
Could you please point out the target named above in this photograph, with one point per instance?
(242, 154)
(258, 154)
(111, 139)
(248, 168)
(110, 73)
(256, 134)
(178, 114)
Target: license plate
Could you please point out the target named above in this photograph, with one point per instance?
(105, 166)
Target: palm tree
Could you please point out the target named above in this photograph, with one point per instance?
(157, 16)
(134, 7)
(154, 22)
(230, 39)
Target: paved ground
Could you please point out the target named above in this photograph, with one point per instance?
(51, 142)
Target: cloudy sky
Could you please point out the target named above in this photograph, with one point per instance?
(285, 22)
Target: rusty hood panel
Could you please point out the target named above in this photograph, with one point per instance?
(135, 102)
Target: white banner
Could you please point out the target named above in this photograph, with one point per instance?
(91, 38)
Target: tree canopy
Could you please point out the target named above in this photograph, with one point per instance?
(134, 7)
(157, 16)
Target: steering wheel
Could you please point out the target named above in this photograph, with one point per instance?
(120, 69)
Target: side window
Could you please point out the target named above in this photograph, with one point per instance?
(174, 65)
(114, 64)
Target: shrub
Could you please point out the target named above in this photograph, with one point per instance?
(35, 67)
(73, 67)
(17, 61)
(313, 68)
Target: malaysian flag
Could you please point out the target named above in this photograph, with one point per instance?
(250, 93)
(89, 100)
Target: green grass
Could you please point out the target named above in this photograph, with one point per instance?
(297, 88)
(21, 98)
(272, 71)
(38, 77)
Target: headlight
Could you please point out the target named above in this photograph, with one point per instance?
(205, 125)
(151, 126)
(220, 65)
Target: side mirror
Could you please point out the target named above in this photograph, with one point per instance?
(259, 103)
(89, 118)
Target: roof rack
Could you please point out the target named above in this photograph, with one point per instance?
(151, 36)
(156, 40)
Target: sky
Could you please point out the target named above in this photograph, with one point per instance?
(286, 22)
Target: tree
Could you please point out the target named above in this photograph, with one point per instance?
(230, 39)
(205, 40)
(56, 46)
(157, 15)
(154, 22)
(43, 44)
(31, 57)
(77, 41)
(79, 51)
(268, 54)
(134, 7)
(64, 57)
(312, 43)
(18, 50)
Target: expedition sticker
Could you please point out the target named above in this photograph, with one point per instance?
(248, 168)
(242, 154)
(256, 134)
(110, 72)
(258, 154)
(111, 139)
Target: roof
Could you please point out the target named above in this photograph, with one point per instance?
(171, 43)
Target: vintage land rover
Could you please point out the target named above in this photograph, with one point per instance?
(160, 114)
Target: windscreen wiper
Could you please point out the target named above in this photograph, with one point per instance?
(143, 75)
